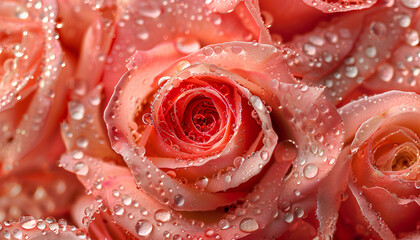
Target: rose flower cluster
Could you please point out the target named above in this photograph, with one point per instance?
(210, 119)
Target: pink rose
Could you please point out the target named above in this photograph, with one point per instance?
(203, 135)
(357, 52)
(35, 75)
(380, 160)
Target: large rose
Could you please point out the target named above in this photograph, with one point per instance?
(208, 142)
(381, 159)
(358, 52)
(35, 75)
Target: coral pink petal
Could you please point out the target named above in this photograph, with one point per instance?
(371, 216)
(188, 23)
(382, 32)
(43, 107)
(357, 112)
(84, 130)
(318, 132)
(329, 195)
(340, 5)
(400, 214)
(31, 228)
(152, 219)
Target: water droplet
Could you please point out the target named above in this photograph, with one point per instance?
(310, 170)
(417, 184)
(82, 142)
(27, 222)
(216, 18)
(162, 215)
(76, 110)
(327, 56)
(143, 228)
(21, 12)
(248, 225)
(80, 169)
(288, 217)
(309, 49)
(118, 210)
(371, 51)
(149, 9)
(404, 20)
(331, 37)
(256, 102)
(298, 212)
(126, 200)
(411, 3)
(386, 72)
(378, 29)
(264, 155)
(17, 233)
(412, 37)
(236, 49)
(238, 161)
(351, 71)
(147, 119)
(179, 200)
(187, 45)
(223, 224)
(202, 182)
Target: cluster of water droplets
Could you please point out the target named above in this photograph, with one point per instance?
(27, 227)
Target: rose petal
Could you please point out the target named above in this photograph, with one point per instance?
(381, 29)
(370, 214)
(339, 6)
(36, 229)
(329, 195)
(190, 24)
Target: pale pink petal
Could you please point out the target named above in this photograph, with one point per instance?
(340, 5)
(31, 228)
(383, 30)
(371, 216)
(190, 24)
(329, 195)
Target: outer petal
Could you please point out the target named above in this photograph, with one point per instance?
(383, 29)
(190, 23)
(34, 118)
(36, 229)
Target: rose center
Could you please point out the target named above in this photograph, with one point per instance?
(404, 158)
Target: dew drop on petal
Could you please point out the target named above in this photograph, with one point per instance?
(309, 49)
(80, 169)
(223, 224)
(76, 110)
(202, 182)
(412, 37)
(179, 200)
(248, 225)
(143, 228)
(162, 215)
(288, 217)
(187, 45)
(411, 3)
(371, 51)
(27, 222)
(310, 170)
(378, 29)
(386, 72)
(119, 210)
(351, 71)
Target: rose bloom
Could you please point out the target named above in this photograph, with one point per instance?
(365, 51)
(217, 142)
(380, 200)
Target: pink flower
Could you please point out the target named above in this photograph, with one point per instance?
(35, 74)
(358, 52)
(380, 160)
(199, 139)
